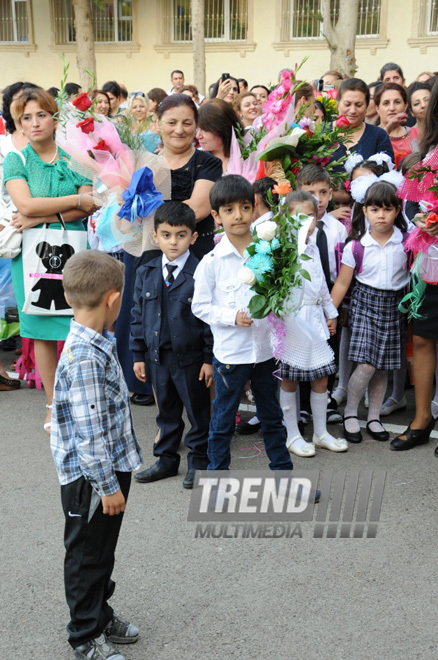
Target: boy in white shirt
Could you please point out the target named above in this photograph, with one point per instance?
(241, 346)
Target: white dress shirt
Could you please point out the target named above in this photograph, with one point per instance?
(219, 296)
(335, 233)
(179, 262)
(383, 267)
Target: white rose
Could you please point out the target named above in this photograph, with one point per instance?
(292, 139)
(266, 230)
(247, 276)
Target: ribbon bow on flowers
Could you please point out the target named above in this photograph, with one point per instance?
(141, 198)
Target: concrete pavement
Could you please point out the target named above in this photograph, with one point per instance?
(211, 599)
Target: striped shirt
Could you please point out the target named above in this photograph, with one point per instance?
(92, 433)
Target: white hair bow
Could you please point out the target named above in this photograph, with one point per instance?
(360, 185)
(379, 158)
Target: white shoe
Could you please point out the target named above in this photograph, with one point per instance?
(339, 395)
(391, 405)
(304, 452)
(327, 441)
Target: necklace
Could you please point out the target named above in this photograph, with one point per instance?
(52, 160)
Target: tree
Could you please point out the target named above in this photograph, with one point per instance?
(197, 10)
(85, 56)
(341, 35)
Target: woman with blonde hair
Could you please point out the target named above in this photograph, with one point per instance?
(138, 108)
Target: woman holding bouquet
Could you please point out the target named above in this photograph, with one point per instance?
(41, 185)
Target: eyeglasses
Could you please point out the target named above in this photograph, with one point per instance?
(137, 94)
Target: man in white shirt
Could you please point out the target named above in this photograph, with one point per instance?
(177, 80)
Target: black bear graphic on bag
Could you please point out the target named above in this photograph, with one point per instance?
(54, 258)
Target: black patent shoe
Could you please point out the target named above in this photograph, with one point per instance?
(155, 473)
(414, 438)
(382, 436)
(352, 437)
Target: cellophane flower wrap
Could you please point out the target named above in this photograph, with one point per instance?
(421, 185)
(274, 268)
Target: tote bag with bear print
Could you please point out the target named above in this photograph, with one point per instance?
(45, 252)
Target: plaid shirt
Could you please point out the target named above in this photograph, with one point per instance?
(92, 433)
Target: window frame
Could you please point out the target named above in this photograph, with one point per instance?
(24, 47)
(127, 47)
(284, 42)
(422, 37)
(165, 45)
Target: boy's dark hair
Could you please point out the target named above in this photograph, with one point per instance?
(262, 187)
(176, 214)
(297, 197)
(229, 189)
(311, 174)
(71, 89)
(380, 193)
(89, 275)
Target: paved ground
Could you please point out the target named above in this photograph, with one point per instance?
(209, 599)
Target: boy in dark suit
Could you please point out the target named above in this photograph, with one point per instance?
(172, 346)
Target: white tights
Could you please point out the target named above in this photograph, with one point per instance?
(376, 380)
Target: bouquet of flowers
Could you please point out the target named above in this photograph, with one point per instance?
(274, 268)
(309, 143)
(330, 107)
(421, 185)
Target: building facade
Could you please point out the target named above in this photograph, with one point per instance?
(139, 42)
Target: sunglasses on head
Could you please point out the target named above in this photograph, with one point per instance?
(137, 94)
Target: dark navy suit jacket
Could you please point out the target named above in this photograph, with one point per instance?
(190, 337)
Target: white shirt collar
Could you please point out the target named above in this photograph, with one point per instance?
(368, 239)
(263, 218)
(225, 247)
(179, 261)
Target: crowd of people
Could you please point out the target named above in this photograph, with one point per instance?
(181, 310)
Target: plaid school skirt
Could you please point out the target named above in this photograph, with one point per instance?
(293, 373)
(376, 327)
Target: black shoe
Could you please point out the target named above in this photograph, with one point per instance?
(414, 437)
(142, 399)
(382, 436)
(317, 496)
(189, 479)
(155, 473)
(244, 428)
(352, 437)
(436, 452)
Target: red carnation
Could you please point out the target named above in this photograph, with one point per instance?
(342, 122)
(82, 102)
(87, 125)
(102, 146)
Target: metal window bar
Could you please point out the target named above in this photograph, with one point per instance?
(433, 17)
(13, 21)
(112, 21)
(305, 24)
(224, 20)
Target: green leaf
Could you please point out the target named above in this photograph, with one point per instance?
(258, 307)
(305, 274)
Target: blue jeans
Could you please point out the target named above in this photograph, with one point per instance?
(229, 380)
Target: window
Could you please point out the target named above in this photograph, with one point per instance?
(224, 20)
(305, 18)
(14, 26)
(433, 17)
(112, 21)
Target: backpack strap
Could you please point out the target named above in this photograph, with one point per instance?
(358, 252)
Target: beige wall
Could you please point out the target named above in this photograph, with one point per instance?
(148, 68)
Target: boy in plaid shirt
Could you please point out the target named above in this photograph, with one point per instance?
(95, 450)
